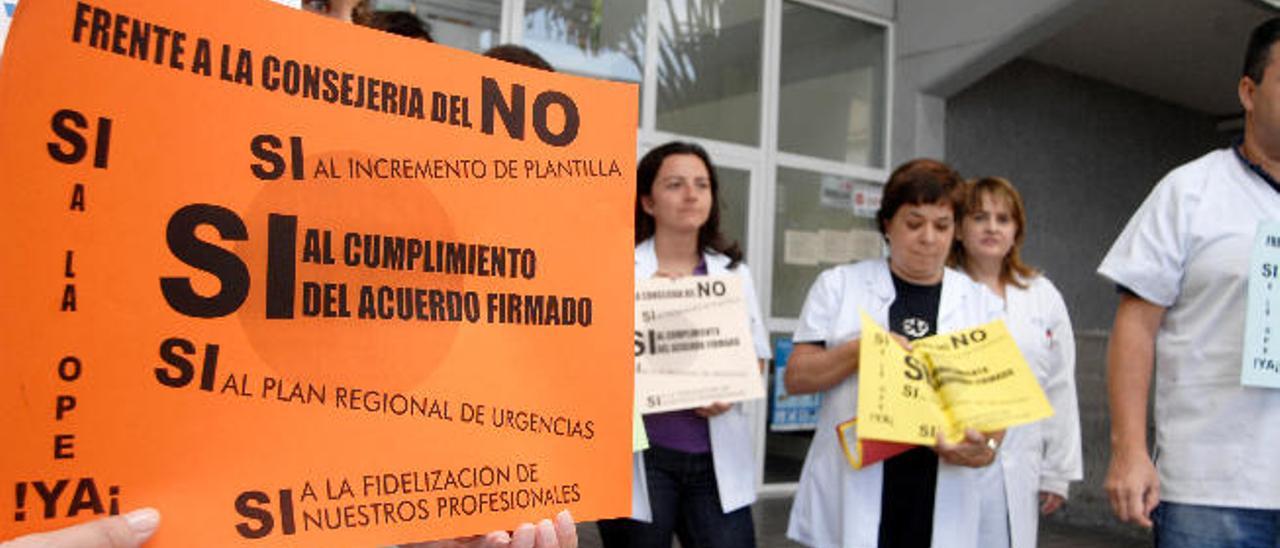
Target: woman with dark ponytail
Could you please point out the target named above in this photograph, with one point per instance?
(697, 480)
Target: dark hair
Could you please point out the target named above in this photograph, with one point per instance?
(360, 10)
(998, 188)
(1258, 54)
(401, 23)
(519, 55)
(920, 181)
(709, 236)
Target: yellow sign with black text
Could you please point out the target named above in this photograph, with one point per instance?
(972, 378)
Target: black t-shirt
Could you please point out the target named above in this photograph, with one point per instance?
(910, 478)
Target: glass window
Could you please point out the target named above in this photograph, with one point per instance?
(472, 25)
(596, 38)
(735, 189)
(815, 228)
(832, 93)
(709, 56)
(792, 420)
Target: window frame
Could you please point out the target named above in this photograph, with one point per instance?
(761, 161)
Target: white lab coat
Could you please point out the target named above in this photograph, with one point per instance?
(1045, 455)
(837, 506)
(732, 441)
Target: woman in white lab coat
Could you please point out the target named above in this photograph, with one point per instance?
(1038, 460)
(697, 480)
(927, 496)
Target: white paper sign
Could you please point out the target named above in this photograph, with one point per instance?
(838, 246)
(801, 248)
(836, 193)
(693, 345)
(1260, 361)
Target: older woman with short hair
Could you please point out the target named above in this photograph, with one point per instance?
(927, 496)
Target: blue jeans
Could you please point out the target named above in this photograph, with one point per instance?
(1194, 526)
(686, 504)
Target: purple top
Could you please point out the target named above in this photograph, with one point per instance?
(681, 430)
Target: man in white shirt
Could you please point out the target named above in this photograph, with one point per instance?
(1182, 265)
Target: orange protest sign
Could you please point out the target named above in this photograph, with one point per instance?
(298, 283)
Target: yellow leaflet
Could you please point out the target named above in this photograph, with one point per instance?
(973, 378)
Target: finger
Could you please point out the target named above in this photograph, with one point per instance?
(1122, 503)
(1055, 504)
(546, 534)
(712, 410)
(974, 436)
(1049, 503)
(943, 445)
(1142, 519)
(1133, 505)
(1113, 495)
(127, 531)
(948, 452)
(497, 539)
(902, 341)
(1117, 501)
(1151, 499)
(566, 531)
(524, 536)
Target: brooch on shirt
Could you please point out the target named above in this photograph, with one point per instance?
(915, 327)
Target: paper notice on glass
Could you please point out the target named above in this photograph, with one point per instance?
(693, 345)
(974, 378)
(836, 193)
(838, 246)
(801, 248)
(846, 246)
(1260, 361)
(866, 199)
(790, 412)
(867, 244)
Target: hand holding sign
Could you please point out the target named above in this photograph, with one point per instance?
(127, 531)
(560, 534)
(976, 450)
(135, 528)
(947, 388)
